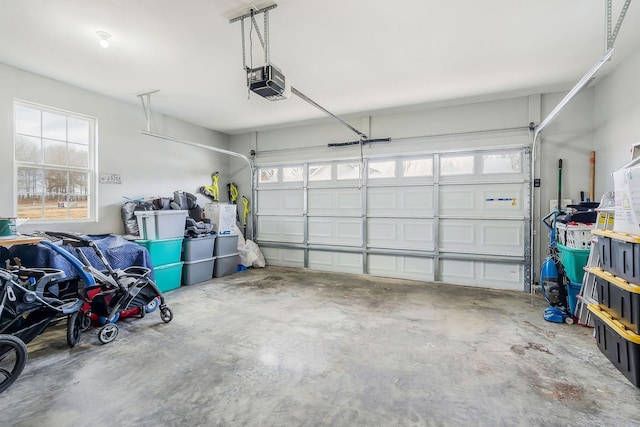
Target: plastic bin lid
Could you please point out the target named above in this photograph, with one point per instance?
(161, 212)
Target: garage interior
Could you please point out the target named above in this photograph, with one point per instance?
(396, 181)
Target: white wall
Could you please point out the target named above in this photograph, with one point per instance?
(617, 119)
(148, 166)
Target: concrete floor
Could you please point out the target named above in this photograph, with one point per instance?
(283, 347)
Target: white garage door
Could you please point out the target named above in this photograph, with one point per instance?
(459, 218)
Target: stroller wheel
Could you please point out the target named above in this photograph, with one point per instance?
(86, 321)
(13, 357)
(151, 305)
(166, 314)
(108, 333)
(74, 328)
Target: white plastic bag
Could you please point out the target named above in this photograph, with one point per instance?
(254, 254)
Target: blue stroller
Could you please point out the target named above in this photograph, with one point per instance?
(109, 294)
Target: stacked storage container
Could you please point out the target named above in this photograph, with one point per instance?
(198, 259)
(161, 233)
(617, 316)
(574, 243)
(226, 254)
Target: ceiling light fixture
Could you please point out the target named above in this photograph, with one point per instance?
(104, 38)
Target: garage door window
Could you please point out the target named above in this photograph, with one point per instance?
(348, 171)
(268, 175)
(386, 169)
(417, 167)
(53, 154)
(500, 163)
(294, 174)
(320, 173)
(456, 165)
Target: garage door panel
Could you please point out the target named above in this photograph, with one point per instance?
(281, 229)
(335, 201)
(458, 271)
(405, 234)
(283, 257)
(482, 236)
(283, 202)
(486, 274)
(491, 200)
(341, 262)
(405, 267)
(501, 275)
(456, 234)
(335, 231)
(398, 201)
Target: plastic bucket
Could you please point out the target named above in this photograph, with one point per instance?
(573, 289)
(573, 261)
(7, 228)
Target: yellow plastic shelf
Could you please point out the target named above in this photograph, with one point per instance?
(616, 235)
(619, 282)
(613, 323)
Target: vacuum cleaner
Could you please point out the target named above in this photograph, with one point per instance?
(553, 280)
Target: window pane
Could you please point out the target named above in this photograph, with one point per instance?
(78, 183)
(268, 175)
(502, 163)
(320, 173)
(55, 152)
(30, 182)
(348, 170)
(79, 207)
(386, 169)
(417, 167)
(29, 206)
(55, 206)
(293, 174)
(28, 149)
(456, 165)
(78, 155)
(55, 181)
(28, 121)
(78, 130)
(54, 126)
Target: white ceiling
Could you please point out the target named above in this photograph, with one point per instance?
(351, 56)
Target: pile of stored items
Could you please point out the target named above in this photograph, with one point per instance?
(93, 281)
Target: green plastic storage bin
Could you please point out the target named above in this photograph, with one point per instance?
(166, 251)
(573, 261)
(168, 276)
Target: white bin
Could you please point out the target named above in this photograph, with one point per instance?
(156, 225)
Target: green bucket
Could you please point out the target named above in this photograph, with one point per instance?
(7, 228)
(573, 261)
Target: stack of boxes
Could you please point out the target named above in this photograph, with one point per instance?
(162, 232)
(617, 314)
(226, 255)
(198, 259)
(226, 245)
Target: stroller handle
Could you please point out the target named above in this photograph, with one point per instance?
(88, 279)
(74, 240)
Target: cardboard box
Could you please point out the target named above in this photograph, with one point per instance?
(223, 217)
(626, 183)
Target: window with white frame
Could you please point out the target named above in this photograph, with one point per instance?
(54, 163)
